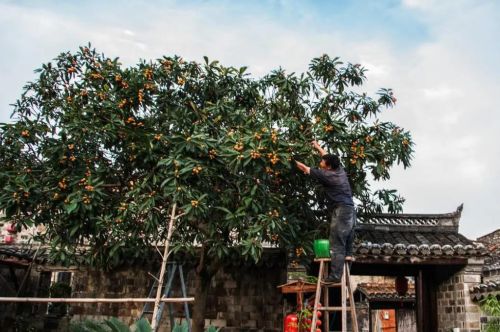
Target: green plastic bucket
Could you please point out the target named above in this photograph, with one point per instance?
(322, 248)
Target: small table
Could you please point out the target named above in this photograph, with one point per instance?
(299, 287)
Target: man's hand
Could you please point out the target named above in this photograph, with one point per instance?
(304, 168)
(316, 145)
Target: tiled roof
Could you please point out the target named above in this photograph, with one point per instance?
(412, 222)
(481, 291)
(492, 267)
(23, 253)
(490, 237)
(422, 235)
(375, 291)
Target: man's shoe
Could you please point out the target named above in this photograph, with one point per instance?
(331, 280)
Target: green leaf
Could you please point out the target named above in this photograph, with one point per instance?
(71, 207)
(142, 325)
(165, 162)
(254, 189)
(116, 325)
(74, 229)
(223, 209)
(181, 328)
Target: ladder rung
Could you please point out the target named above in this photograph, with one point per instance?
(147, 312)
(156, 287)
(330, 308)
(323, 260)
(327, 284)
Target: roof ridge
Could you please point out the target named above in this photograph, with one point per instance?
(447, 221)
(456, 213)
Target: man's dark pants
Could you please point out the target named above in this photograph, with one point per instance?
(341, 236)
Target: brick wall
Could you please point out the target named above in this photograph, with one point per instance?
(118, 283)
(240, 299)
(455, 306)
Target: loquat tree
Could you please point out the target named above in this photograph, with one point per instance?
(98, 153)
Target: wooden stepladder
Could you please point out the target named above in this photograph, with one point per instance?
(345, 286)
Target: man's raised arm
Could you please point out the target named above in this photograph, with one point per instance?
(321, 151)
(304, 168)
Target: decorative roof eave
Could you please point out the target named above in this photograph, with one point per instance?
(481, 291)
(422, 236)
(492, 267)
(446, 222)
(385, 292)
(391, 298)
(423, 250)
(24, 253)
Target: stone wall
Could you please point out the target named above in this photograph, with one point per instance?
(241, 298)
(455, 306)
(118, 283)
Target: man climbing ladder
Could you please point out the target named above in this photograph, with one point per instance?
(340, 206)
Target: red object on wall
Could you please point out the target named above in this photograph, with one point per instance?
(8, 239)
(291, 323)
(401, 285)
(388, 320)
(11, 228)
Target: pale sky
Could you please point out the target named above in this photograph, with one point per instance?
(440, 57)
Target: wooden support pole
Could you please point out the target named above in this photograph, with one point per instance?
(420, 300)
(318, 294)
(343, 300)
(326, 303)
(354, 318)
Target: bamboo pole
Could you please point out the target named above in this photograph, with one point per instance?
(94, 300)
(157, 301)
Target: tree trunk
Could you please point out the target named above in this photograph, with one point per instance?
(199, 306)
(205, 274)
